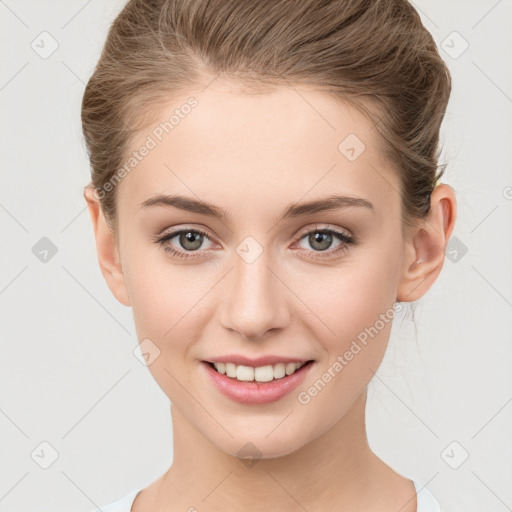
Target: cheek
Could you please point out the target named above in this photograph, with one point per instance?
(160, 294)
(355, 306)
(168, 310)
(358, 310)
(351, 297)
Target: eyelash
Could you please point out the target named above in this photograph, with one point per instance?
(344, 238)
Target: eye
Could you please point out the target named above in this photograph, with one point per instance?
(190, 239)
(322, 238)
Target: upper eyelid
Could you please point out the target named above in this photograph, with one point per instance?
(342, 231)
(317, 227)
(298, 236)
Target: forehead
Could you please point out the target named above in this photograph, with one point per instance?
(256, 150)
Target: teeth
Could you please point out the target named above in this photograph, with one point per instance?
(259, 374)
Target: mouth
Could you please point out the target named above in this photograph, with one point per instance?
(256, 386)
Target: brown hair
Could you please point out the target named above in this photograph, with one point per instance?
(373, 53)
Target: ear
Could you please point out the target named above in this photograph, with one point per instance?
(106, 246)
(426, 245)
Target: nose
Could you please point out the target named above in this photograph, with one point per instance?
(256, 299)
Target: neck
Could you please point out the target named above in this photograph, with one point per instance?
(335, 470)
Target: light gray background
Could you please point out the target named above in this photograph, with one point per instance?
(68, 376)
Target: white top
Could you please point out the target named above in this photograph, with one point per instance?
(426, 502)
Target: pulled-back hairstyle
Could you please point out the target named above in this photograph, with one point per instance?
(375, 54)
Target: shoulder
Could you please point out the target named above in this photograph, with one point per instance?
(426, 500)
(124, 504)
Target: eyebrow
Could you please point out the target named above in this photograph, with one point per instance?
(188, 204)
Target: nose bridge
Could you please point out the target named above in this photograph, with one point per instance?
(255, 303)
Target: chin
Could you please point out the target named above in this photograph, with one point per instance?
(255, 447)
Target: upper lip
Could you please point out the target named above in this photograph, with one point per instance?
(257, 361)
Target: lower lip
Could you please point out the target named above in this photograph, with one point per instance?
(253, 392)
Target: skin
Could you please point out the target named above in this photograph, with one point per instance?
(254, 154)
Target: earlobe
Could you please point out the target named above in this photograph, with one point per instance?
(107, 249)
(425, 249)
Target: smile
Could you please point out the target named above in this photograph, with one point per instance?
(244, 384)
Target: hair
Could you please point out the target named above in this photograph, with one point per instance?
(375, 54)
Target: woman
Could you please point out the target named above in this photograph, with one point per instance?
(264, 197)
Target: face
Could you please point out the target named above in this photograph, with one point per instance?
(257, 282)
